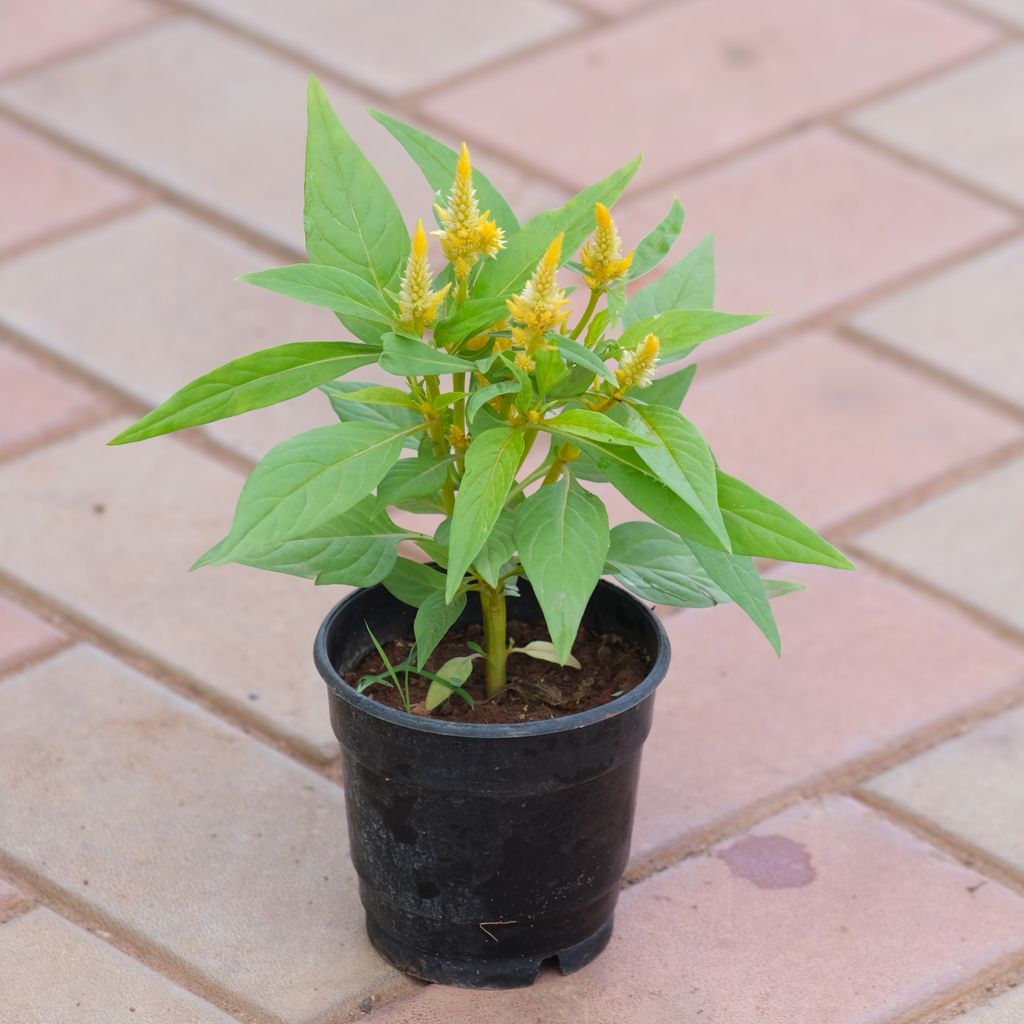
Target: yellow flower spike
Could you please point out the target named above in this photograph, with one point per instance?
(524, 362)
(541, 305)
(466, 234)
(602, 257)
(417, 303)
(458, 438)
(636, 368)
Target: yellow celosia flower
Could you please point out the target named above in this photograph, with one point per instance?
(602, 257)
(636, 368)
(525, 362)
(458, 438)
(541, 306)
(467, 234)
(417, 304)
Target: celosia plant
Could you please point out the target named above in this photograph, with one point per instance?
(488, 369)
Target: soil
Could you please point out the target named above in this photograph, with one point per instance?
(610, 667)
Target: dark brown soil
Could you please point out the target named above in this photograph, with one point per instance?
(536, 689)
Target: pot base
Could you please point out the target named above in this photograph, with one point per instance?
(506, 972)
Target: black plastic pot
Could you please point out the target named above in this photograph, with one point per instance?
(484, 850)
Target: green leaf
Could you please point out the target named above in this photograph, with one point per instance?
(759, 526)
(414, 478)
(407, 357)
(579, 354)
(738, 577)
(449, 679)
(689, 284)
(586, 424)
(680, 457)
(632, 478)
(330, 287)
(303, 482)
(669, 390)
(491, 463)
(413, 582)
(499, 547)
(680, 331)
(252, 382)
(357, 548)
(658, 565)
(654, 247)
(509, 271)
(433, 620)
(562, 537)
(470, 319)
(483, 395)
(351, 219)
(379, 394)
(382, 415)
(437, 162)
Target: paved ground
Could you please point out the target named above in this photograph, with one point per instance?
(833, 838)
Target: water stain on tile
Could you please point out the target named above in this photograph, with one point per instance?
(770, 862)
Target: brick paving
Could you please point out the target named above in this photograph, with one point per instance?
(832, 838)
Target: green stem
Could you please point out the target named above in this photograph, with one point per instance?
(587, 314)
(492, 604)
(440, 442)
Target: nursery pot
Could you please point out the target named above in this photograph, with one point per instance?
(484, 850)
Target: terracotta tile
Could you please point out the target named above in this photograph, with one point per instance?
(150, 302)
(967, 122)
(23, 635)
(32, 31)
(1005, 10)
(110, 533)
(226, 856)
(967, 542)
(864, 662)
(36, 402)
(45, 189)
(811, 222)
(830, 431)
(56, 971)
(825, 914)
(222, 121)
(963, 321)
(398, 49)
(969, 786)
(690, 82)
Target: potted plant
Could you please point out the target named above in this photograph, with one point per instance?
(491, 697)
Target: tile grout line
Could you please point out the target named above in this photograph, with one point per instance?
(922, 165)
(842, 779)
(132, 943)
(195, 692)
(55, 60)
(740, 151)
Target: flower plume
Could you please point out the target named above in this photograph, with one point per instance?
(636, 368)
(417, 303)
(602, 257)
(541, 306)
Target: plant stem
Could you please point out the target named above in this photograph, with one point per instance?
(440, 442)
(587, 314)
(492, 604)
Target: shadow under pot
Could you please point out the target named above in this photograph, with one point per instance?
(484, 850)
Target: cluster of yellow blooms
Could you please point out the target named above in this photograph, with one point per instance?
(467, 234)
(542, 306)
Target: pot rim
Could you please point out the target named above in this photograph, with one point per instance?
(483, 730)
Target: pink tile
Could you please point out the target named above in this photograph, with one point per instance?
(36, 402)
(864, 662)
(36, 30)
(22, 636)
(693, 81)
(830, 431)
(45, 189)
(813, 221)
(824, 915)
